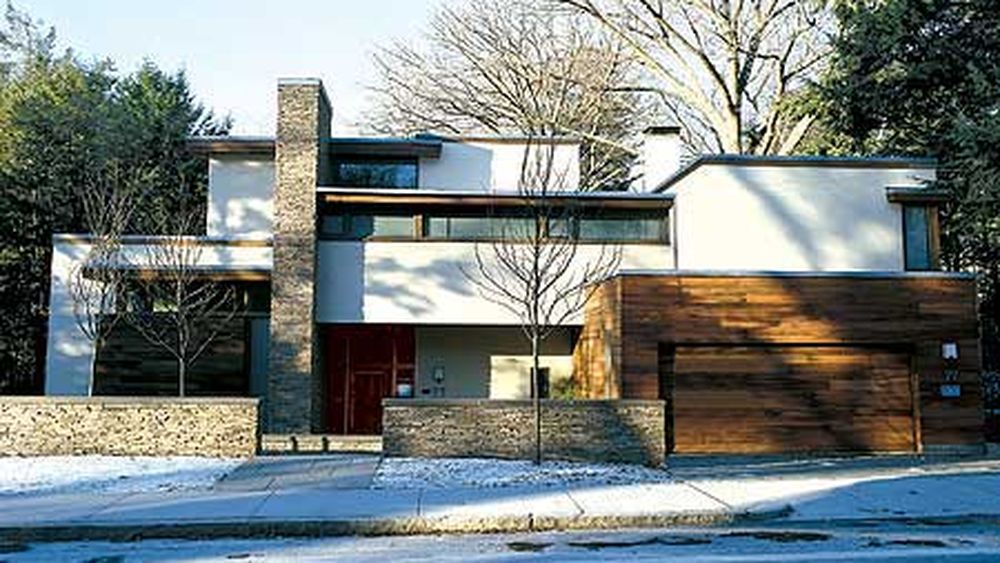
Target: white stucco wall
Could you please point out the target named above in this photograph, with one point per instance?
(467, 353)
(790, 218)
(69, 354)
(422, 282)
(495, 166)
(240, 195)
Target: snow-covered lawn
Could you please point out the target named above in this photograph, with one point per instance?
(106, 474)
(417, 473)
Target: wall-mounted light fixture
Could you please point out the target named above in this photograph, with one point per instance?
(949, 350)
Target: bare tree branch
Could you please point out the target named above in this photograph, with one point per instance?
(728, 64)
(533, 266)
(176, 304)
(520, 68)
(94, 285)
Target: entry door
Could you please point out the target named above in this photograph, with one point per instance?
(367, 389)
(364, 364)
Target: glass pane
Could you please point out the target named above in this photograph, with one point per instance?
(436, 227)
(360, 227)
(333, 225)
(376, 174)
(392, 226)
(622, 230)
(470, 228)
(917, 238)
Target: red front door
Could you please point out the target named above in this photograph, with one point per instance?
(364, 364)
(367, 389)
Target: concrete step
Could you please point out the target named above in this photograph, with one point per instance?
(288, 444)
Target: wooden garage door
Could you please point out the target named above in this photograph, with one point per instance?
(729, 399)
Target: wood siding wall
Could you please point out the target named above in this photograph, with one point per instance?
(633, 317)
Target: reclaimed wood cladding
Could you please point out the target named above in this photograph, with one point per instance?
(757, 399)
(793, 314)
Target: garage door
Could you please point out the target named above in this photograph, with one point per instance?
(754, 399)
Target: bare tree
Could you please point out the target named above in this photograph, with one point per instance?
(535, 266)
(178, 306)
(515, 68)
(723, 68)
(95, 282)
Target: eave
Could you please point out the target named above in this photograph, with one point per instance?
(916, 195)
(248, 145)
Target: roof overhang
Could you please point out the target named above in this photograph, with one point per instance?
(916, 195)
(263, 146)
(538, 140)
(798, 162)
(374, 147)
(610, 200)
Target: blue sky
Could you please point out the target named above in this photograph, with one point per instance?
(233, 51)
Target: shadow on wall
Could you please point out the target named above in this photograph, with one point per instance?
(351, 279)
(860, 220)
(786, 364)
(901, 316)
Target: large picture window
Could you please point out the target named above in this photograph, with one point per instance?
(375, 172)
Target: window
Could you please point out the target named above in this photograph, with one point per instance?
(375, 172)
(637, 227)
(461, 223)
(477, 227)
(917, 243)
(361, 226)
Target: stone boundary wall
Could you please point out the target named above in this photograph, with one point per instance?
(156, 426)
(626, 431)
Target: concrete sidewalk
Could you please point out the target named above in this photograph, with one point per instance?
(297, 496)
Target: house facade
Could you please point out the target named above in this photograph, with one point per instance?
(785, 293)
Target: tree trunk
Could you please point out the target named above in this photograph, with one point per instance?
(536, 386)
(181, 377)
(93, 367)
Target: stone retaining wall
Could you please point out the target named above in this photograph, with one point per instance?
(216, 427)
(606, 431)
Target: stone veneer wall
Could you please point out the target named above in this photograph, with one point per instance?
(215, 427)
(605, 431)
(295, 388)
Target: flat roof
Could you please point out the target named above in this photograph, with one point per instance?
(800, 161)
(427, 145)
(500, 139)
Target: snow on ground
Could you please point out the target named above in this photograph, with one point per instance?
(418, 473)
(107, 474)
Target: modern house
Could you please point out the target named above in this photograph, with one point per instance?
(772, 303)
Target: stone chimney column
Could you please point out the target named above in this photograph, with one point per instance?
(295, 398)
(661, 155)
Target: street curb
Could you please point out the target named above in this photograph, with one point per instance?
(261, 529)
(929, 521)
